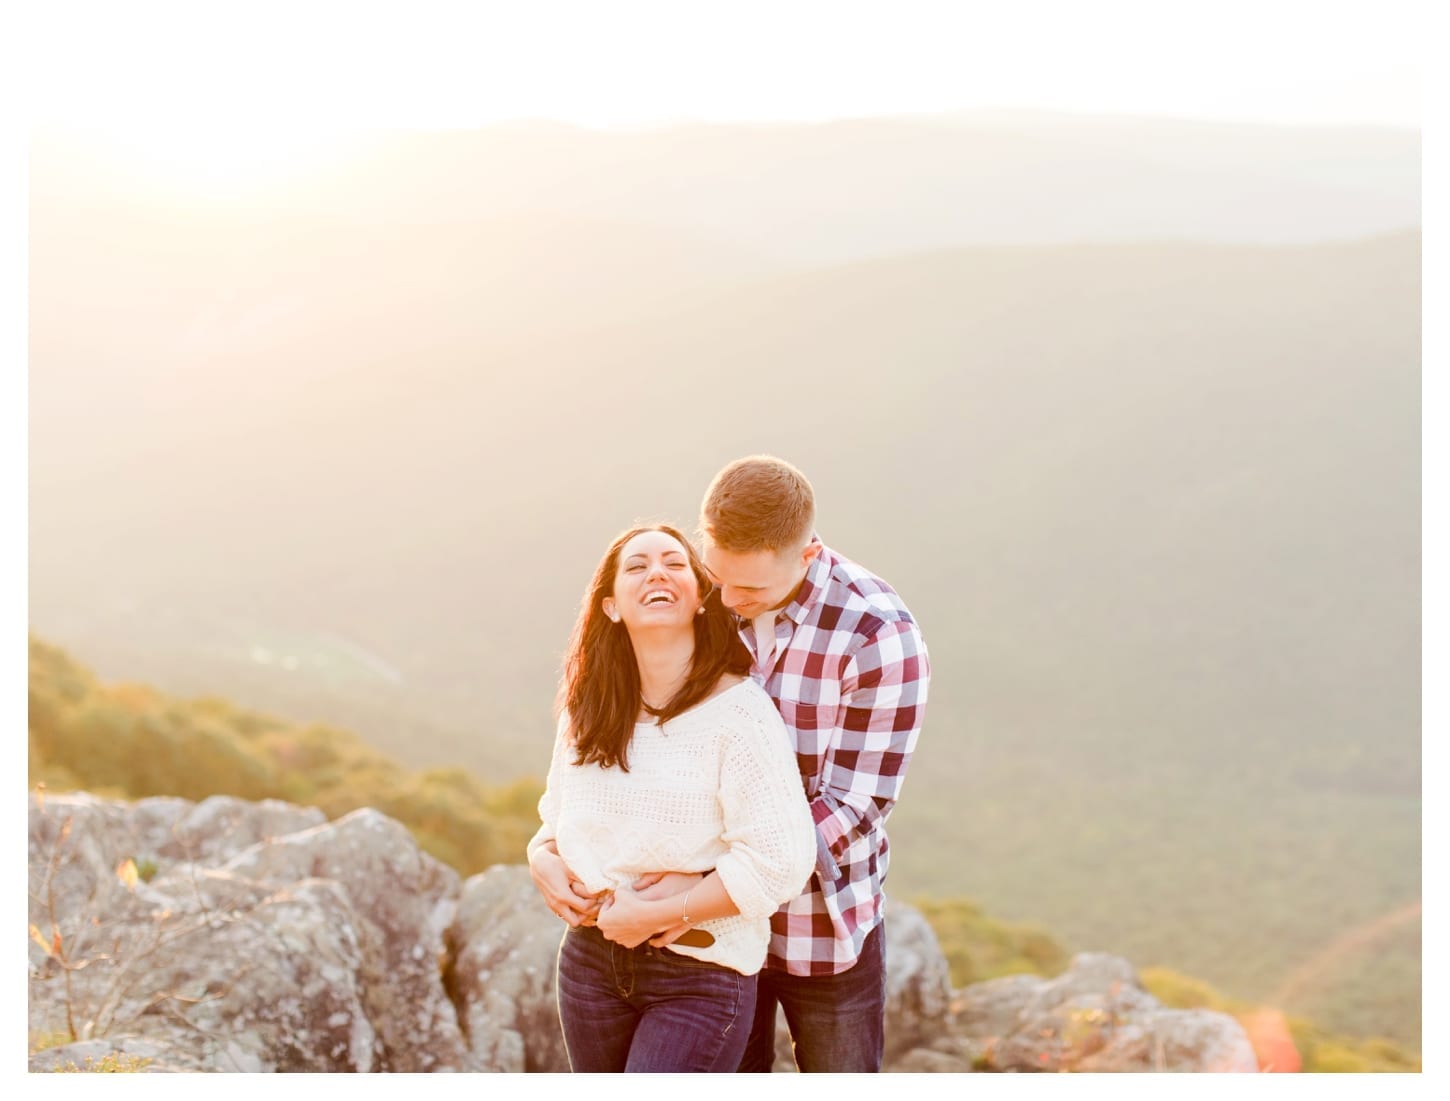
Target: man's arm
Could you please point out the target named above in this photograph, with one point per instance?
(564, 894)
(553, 879)
(883, 701)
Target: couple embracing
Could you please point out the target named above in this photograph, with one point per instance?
(734, 727)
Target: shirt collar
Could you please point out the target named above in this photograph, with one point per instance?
(812, 587)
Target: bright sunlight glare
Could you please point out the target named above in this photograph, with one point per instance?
(222, 97)
(222, 159)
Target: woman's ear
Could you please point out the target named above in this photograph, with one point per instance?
(607, 605)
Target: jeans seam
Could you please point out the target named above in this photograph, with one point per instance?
(625, 991)
(734, 1011)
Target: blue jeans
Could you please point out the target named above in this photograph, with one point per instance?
(837, 1022)
(648, 1009)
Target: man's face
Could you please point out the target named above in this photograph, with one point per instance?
(754, 582)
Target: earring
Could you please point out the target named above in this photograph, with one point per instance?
(700, 610)
(613, 616)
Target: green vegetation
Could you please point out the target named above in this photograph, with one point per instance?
(1320, 1050)
(114, 1063)
(108, 1064)
(978, 947)
(128, 741)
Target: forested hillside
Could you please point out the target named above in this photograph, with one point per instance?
(130, 741)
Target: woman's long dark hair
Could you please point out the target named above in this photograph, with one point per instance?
(600, 686)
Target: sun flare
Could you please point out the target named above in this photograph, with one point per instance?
(222, 158)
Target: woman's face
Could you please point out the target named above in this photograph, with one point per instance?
(654, 586)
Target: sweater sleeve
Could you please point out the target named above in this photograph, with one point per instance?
(549, 801)
(770, 836)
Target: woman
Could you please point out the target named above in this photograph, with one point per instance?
(666, 757)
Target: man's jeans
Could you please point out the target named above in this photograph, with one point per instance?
(648, 1009)
(837, 1022)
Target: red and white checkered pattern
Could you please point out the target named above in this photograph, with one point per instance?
(849, 675)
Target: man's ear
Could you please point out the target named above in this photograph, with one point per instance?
(812, 549)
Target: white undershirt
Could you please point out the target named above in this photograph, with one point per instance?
(765, 635)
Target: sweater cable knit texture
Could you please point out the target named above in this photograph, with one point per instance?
(715, 787)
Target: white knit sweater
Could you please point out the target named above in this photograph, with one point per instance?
(715, 787)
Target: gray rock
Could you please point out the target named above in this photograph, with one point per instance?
(931, 1060)
(320, 949)
(261, 937)
(404, 901)
(505, 941)
(1096, 1016)
(918, 980)
(995, 1007)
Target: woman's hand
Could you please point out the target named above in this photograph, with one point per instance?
(630, 920)
(565, 895)
(670, 935)
(653, 886)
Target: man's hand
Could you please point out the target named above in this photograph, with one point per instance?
(654, 886)
(565, 895)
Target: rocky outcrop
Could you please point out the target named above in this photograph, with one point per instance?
(1095, 1016)
(267, 939)
(225, 935)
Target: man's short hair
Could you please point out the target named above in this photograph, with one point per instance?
(758, 503)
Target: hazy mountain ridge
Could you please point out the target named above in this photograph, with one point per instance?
(820, 193)
(813, 194)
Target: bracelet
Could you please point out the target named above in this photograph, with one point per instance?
(685, 907)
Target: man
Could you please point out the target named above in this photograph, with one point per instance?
(845, 662)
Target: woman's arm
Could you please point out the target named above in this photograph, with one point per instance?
(630, 919)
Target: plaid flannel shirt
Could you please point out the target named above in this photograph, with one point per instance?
(849, 674)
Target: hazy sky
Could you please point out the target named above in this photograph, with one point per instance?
(184, 64)
(229, 94)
